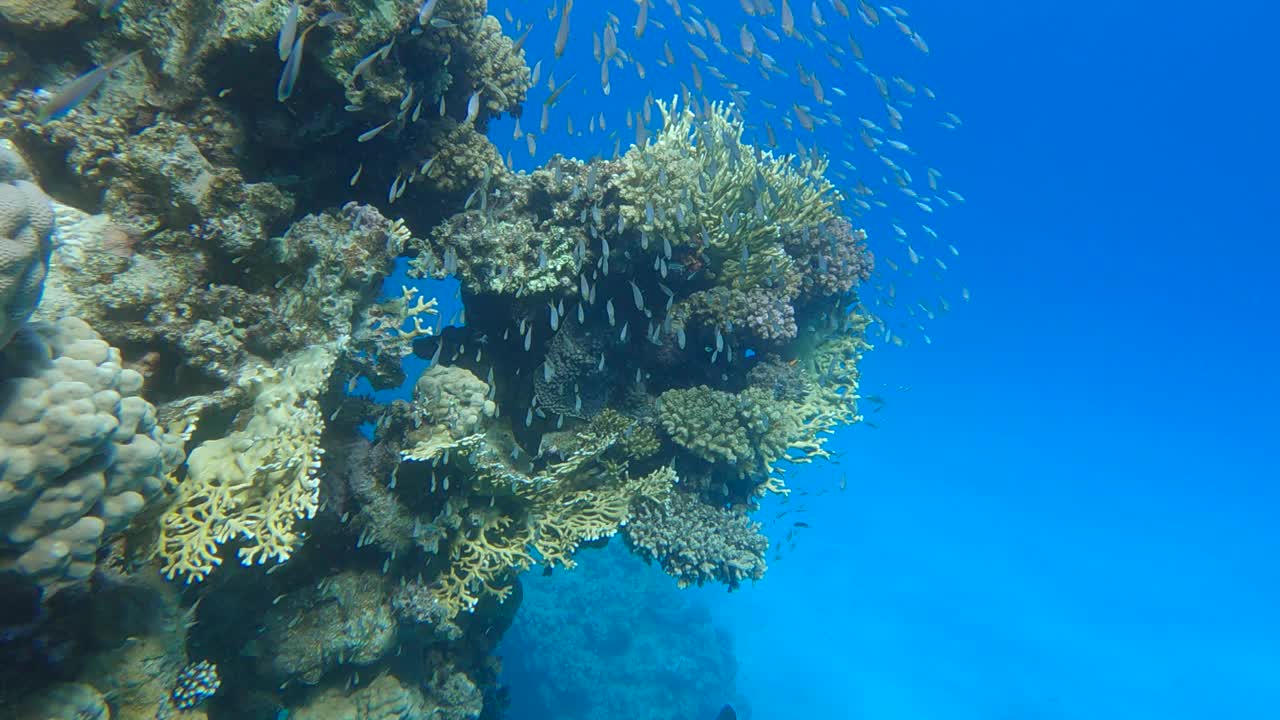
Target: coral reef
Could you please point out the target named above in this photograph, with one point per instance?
(646, 341)
(254, 484)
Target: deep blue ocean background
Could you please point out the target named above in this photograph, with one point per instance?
(1066, 508)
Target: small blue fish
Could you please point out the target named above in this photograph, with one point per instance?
(66, 99)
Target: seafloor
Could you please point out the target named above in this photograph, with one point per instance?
(198, 518)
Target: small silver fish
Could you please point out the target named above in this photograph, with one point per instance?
(426, 11)
(288, 32)
(636, 295)
(74, 92)
(371, 133)
(289, 76)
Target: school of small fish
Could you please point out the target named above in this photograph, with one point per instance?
(705, 58)
(834, 31)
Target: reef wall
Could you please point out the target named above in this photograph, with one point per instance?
(193, 519)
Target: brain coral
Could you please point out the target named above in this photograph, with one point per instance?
(26, 226)
(80, 451)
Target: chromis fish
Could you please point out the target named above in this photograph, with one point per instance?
(73, 93)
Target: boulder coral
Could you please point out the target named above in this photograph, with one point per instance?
(26, 228)
(81, 453)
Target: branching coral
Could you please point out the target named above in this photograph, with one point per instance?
(546, 516)
(697, 543)
(698, 184)
(254, 484)
(749, 431)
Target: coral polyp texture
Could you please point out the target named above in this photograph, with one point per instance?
(207, 214)
(81, 453)
(26, 228)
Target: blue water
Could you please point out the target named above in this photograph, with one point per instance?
(1066, 508)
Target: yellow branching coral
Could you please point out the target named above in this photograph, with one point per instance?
(753, 429)
(391, 316)
(698, 184)
(564, 520)
(546, 517)
(482, 562)
(257, 482)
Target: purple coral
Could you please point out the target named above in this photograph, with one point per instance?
(832, 258)
(769, 316)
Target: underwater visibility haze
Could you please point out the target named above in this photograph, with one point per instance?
(450, 359)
